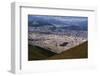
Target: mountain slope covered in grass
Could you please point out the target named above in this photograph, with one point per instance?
(38, 53)
(80, 51)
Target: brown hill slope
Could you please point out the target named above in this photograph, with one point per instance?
(80, 51)
(38, 53)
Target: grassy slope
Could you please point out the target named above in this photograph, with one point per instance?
(80, 51)
(38, 53)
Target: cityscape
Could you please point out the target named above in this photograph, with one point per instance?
(50, 37)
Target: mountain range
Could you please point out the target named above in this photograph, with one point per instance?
(62, 23)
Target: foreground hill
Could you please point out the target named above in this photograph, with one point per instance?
(80, 51)
(38, 53)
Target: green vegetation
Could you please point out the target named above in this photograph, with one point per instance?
(80, 51)
(38, 53)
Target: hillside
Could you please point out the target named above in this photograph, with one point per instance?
(80, 51)
(38, 53)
